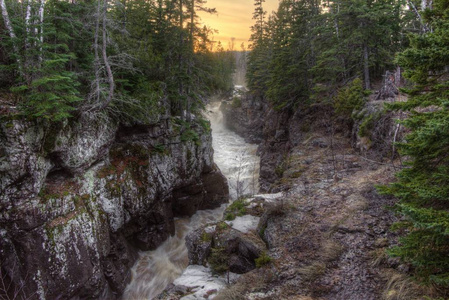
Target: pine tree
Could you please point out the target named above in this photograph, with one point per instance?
(47, 84)
(423, 186)
(356, 38)
(260, 55)
(122, 58)
(293, 54)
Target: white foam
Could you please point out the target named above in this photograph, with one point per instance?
(202, 282)
(245, 223)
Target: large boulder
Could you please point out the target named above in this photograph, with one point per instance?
(224, 248)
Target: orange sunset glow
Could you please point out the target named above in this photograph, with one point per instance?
(234, 19)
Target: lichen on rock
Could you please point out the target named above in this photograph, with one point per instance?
(79, 199)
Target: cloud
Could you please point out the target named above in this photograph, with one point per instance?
(234, 18)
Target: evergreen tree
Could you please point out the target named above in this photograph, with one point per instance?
(46, 82)
(293, 53)
(356, 38)
(122, 58)
(423, 186)
(260, 55)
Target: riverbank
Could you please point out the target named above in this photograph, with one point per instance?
(332, 230)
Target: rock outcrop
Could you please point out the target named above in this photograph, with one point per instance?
(375, 131)
(236, 250)
(220, 252)
(274, 131)
(78, 199)
(328, 235)
(277, 132)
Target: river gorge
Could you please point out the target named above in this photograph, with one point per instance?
(238, 161)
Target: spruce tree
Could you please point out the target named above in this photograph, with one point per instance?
(423, 186)
(293, 55)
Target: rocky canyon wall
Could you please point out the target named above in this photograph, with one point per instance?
(78, 199)
(373, 133)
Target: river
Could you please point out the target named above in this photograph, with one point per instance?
(155, 270)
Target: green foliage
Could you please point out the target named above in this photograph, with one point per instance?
(218, 260)
(190, 135)
(159, 148)
(52, 97)
(368, 123)
(230, 216)
(159, 63)
(308, 50)
(206, 237)
(423, 187)
(222, 226)
(50, 88)
(205, 124)
(236, 102)
(236, 208)
(263, 260)
(350, 98)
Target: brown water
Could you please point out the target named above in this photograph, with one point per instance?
(155, 270)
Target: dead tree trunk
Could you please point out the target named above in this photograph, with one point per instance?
(106, 61)
(97, 56)
(41, 28)
(11, 33)
(424, 27)
(366, 66)
(390, 86)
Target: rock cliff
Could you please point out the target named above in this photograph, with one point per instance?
(78, 199)
(275, 132)
(373, 133)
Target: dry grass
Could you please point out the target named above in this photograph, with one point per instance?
(378, 257)
(356, 203)
(233, 292)
(313, 271)
(331, 250)
(252, 281)
(403, 287)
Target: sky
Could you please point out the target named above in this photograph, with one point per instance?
(234, 19)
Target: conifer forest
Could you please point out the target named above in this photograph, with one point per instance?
(143, 158)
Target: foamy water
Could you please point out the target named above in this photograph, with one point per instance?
(155, 270)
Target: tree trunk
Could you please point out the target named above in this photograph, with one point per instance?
(106, 61)
(5, 16)
(426, 4)
(28, 62)
(41, 25)
(27, 24)
(11, 33)
(366, 67)
(424, 27)
(97, 56)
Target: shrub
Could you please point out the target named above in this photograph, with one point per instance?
(350, 98)
(190, 135)
(263, 260)
(236, 102)
(218, 260)
(236, 208)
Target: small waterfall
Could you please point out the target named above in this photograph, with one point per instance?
(155, 270)
(236, 158)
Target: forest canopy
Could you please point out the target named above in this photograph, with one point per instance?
(128, 57)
